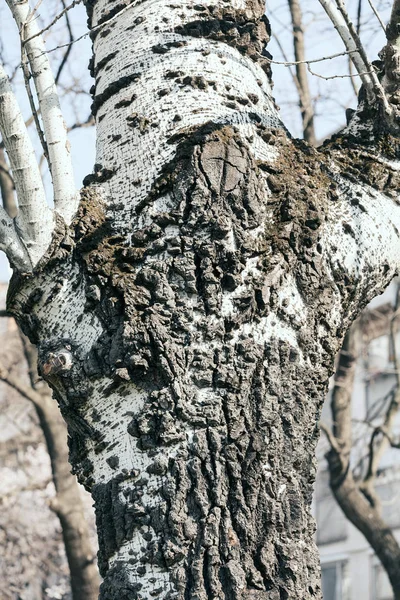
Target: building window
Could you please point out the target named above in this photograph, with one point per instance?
(334, 581)
(382, 587)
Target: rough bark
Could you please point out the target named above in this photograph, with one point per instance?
(188, 320)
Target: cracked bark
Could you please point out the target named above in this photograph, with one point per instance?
(188, 319)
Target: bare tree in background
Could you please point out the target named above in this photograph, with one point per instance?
(67, 503)
(354, 485)
(301, 79)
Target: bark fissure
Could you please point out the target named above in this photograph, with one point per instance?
(205, 287)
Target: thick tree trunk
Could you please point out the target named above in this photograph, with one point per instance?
(189, 320)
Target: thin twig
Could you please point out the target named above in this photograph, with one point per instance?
(56, 18)
(331, 438)
(68, 51)
(27, 75)
(293, 63)
(377, 15)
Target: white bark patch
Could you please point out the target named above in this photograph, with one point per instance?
(116, 430)
(35, 219)
(291, 301)
(150, 119)
(363, 237)
(65, 316)
(270, 327)
(117, 411)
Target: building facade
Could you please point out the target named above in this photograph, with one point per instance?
(350, 570)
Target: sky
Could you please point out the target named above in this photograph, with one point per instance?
(331, 97)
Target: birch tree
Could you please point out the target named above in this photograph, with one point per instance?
(188, 303)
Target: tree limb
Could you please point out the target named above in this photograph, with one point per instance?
(71, 39)
(378, 445)
(306, 107)
(342, 23)
(60, 162)
(35, 220)
(7, 187)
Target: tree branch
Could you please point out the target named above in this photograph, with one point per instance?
(35, 220)
(342, 23)
(306, 107)
(71, 39)
(378, 445)
(60, 163)
(7, 187)
(25, 391)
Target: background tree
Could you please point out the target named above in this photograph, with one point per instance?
(188, 307)
(357, 449)
(34, 564)
(67, 502)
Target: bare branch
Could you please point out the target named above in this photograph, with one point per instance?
(306, 107)
(331, 438)
(7, 186)
(35, 112)
(381, 436)
(25, 390)
(376, 13)
(65, 195)
(343, 388)
(35, 219)
(345, 28)
(54, 21)
(71, 39)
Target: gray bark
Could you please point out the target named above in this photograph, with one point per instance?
(188, 320)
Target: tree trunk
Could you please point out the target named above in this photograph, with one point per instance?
(68, 506)
(189, 319)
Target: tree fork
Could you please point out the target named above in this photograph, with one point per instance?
(188, 319)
